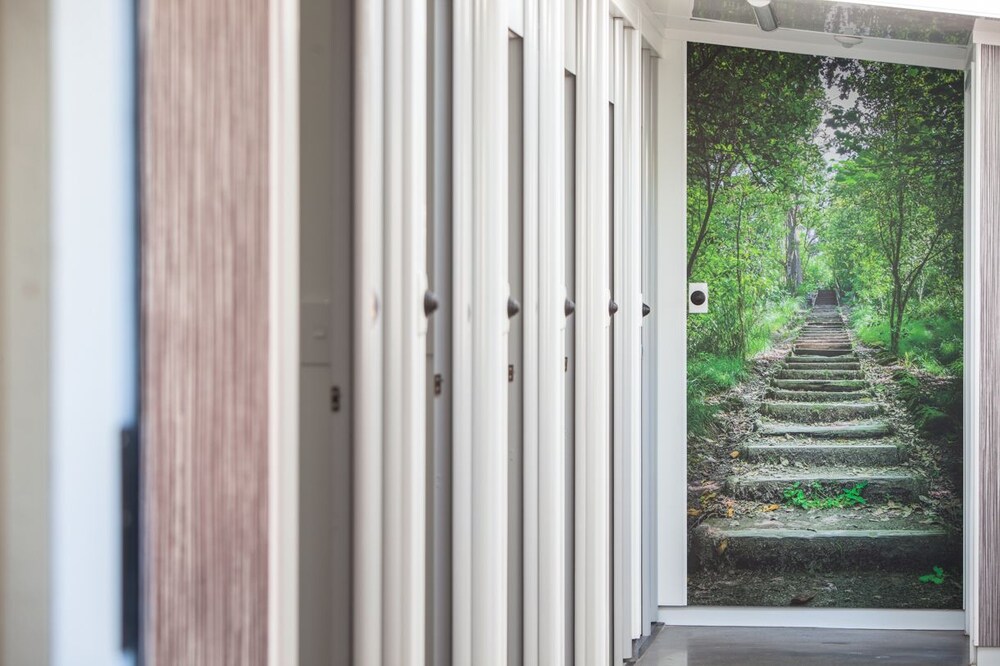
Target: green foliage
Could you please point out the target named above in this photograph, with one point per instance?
(934, 403)
(931, 337)
(814, 496)
(937, 577)
(895, 219)
(711, 373)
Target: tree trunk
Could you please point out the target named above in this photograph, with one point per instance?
(793, 260)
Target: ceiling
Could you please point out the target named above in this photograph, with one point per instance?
(891, 34)
(847, 19)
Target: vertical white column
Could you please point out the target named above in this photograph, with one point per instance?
(390, 232)
(671, 332)
(531, 330)
(412, 440)
(592, 571)
(649, 326)
(973, 120)
(619, 393)
(632, 317)
(552, 516)
(368, 336)
(462, 331)
(480, 333)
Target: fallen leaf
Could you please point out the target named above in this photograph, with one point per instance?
(772, 507)
(694, 512)
(721, 548)
(734, 454)
(729, 512)
(802, 599)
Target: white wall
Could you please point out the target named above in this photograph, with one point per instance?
(24, 317)
(93, 294)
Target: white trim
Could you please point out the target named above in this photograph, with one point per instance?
(283, 333)
(986, 31)
(480, 334)
(530, 349)
(822, 618)
(986, 657)
(553, 623)
(621, 542)
(973, 123)
(631, 297)
(671, 327)
(368, 336)
(592, 567)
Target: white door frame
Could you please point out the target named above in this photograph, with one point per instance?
(671, 335)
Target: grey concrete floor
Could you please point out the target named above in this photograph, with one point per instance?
(726, 646)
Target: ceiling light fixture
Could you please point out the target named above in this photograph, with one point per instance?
(848, 41)
(762, 9)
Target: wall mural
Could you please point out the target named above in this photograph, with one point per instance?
(825, 381)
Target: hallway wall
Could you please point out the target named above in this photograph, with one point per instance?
(205, 245)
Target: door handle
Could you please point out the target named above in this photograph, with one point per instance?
(646, 310)
(513, 307)
(612, 307)
(431, 303)
(569, 307)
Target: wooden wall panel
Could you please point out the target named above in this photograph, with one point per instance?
(204, 177)
(989, 249)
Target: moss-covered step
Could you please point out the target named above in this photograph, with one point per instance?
(769, 485)
(835, 365)
(819, 384)
(817, 396)
(820, 412)
(819, 374)
(824, 453)
(801, 350)
(801, 358)
(859, 430)
(803, 541)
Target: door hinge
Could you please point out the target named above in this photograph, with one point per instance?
(335, 398)
(510, 372)
(438, 384)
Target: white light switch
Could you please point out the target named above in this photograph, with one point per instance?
(698, 297)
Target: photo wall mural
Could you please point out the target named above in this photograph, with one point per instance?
(825, 380)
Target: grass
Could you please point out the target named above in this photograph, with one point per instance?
(711, 373)
(815, 496)
(931, 340)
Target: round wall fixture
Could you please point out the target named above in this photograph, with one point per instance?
(848, 41)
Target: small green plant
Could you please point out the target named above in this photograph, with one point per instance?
(937, 577)
(815, 497)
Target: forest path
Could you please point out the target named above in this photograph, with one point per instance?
(823, 452)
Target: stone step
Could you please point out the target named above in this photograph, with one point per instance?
(832, 385)
(817, 396)
(845, 358)
(863, 430)
(822, 541)
(767, 485)
(814, 453)
(819, 374)
(834, 365)
(824, 337)
(820, 412)
(803, 350)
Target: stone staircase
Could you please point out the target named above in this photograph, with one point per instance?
(820, 425)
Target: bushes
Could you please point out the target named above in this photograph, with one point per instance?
(715, 364)
(934, 402)
(931, 338)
